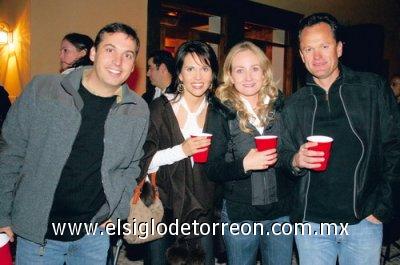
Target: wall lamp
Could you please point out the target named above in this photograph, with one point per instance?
(5, 33)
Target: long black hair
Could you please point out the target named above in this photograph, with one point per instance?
(205, 53)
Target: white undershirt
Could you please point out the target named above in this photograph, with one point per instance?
(253, 118)
(157, 92)
(174, 154)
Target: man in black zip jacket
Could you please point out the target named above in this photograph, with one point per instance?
(355, 194)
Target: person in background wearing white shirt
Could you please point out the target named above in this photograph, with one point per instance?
(161, 73)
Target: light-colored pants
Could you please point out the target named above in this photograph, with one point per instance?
(361, 245)
(89, 250)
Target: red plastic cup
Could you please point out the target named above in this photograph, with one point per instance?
(5, 251)
(266, 142)
(201, 157)
(324, 144)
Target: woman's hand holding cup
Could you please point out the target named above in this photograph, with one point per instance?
(255, 160)
(195, 145)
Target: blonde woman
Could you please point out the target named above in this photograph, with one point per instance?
(255, 195)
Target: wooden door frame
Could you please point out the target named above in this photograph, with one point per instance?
(233, 14)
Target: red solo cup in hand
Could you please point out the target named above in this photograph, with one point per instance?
(266, 142)
(5, 252)
(324, 145)
(201, 157)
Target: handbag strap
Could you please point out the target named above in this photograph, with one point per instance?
(138, 189)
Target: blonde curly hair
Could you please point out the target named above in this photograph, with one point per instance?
(228, 94)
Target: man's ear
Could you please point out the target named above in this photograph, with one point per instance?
(302, 56)
(92, 53)
(339, 49)
(162, 67)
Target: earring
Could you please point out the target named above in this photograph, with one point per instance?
(210, 87)
(181, 88)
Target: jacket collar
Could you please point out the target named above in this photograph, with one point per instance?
(344, 74)
(72, 81)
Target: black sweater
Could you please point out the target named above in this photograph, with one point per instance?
(80, 193)
(330, 197)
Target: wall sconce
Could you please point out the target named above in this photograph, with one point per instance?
(5, 33)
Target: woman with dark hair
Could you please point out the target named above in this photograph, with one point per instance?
(75, 51)
(186, 193)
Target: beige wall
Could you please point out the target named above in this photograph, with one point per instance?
(52, 19)
(15, 58)
(383, 12)
(39, 26)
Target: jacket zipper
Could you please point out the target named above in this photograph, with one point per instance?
(112, 109)
(327, 99)
(309, 173)
(41, 250)
(362, 153)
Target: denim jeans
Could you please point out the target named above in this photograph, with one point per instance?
(90, 249)
(242, 248)
(359, 245)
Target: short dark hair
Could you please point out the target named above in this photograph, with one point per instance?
(117, 27)
(165, 57)
(317, 18)
(205, 53)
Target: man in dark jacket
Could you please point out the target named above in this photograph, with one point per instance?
(356, 192)
(69, 156)
(4, 104)
(161, 73)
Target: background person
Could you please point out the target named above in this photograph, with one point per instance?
(161, 73)
(75, 51)
(395, 85)
(4, 105)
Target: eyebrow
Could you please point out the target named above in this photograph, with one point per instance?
(242, 66)
(115, 47)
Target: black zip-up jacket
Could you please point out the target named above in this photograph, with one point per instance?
(372, 113)
(257, 195)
